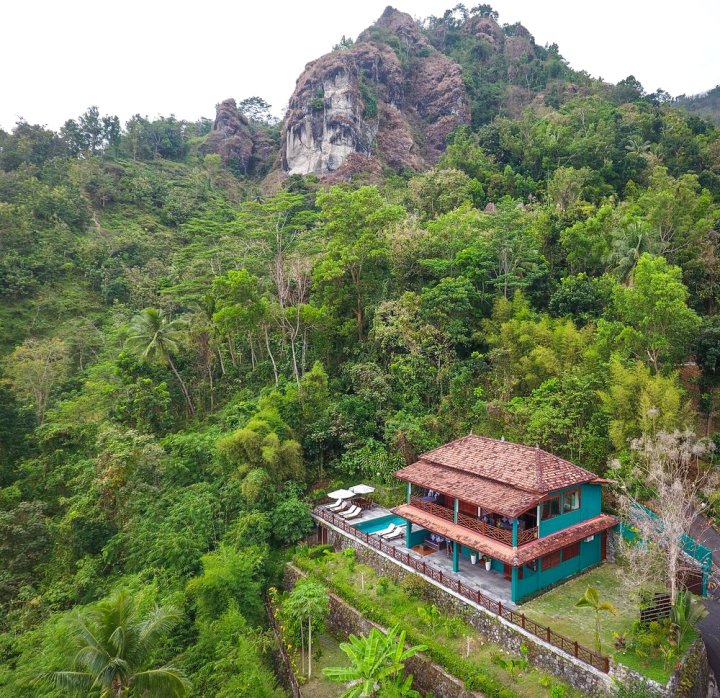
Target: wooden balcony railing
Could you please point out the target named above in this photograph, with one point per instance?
(432, 508)
(502, 535)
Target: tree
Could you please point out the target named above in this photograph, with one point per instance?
(291, 520)
(661, 325)
(257, 109)
(376, 659)
(154, 336)
(351, 273)
(591, 599)
(34, 368)
(307, 603)
(666, 471)
(114, 645)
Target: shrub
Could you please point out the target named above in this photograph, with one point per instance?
(415, 587)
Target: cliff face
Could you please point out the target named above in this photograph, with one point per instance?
(390, 99)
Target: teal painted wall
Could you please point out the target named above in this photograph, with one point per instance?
(535, 581)
(417, 537)
(590, 506)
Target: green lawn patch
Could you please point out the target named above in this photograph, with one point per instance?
(326, 653)
(451, 642)
(556, 608)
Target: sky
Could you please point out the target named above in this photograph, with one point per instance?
(155, 57)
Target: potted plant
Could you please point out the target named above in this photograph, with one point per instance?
(473, 557)
(488, 562)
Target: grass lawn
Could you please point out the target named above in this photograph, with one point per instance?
(330, 655)
(452, 642)
(556, 608)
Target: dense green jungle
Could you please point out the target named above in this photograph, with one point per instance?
(191, 355)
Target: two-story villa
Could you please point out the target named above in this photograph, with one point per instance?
(536, 516)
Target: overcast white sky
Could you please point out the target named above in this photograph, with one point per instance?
(153, 57)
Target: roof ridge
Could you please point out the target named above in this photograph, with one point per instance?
(510, 443)
(479, 475)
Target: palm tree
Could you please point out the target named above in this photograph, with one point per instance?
(153, 336)
(376, 660)
(113, 645)
(591, 599)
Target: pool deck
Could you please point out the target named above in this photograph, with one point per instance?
(491, 584)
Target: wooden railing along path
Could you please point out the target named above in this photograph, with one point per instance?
(599, 661)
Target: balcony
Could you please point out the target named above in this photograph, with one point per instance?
(472, 523)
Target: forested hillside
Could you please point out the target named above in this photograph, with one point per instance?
(190, 354)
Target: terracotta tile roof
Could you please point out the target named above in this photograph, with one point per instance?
(488, 494)
(504, 553)
(555, 541)
(526, 467)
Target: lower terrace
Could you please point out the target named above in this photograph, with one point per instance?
(488, 589)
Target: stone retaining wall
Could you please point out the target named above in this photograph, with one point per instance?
(542, 655)
(344, 620)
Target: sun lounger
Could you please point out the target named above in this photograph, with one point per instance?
(395, 534)
(385, 531)
(336, 506)
(352, 511)
(357, 515)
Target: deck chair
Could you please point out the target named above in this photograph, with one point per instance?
(356, 515)
(385, 531)
(351, 512)
(395, 534)
(336, 506)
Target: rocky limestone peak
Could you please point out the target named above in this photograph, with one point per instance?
(391, 99)
(241, 147)
(400, 24)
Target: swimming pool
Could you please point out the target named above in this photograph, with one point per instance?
(379, 523)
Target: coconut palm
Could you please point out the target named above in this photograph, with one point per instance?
(155, 337)
(591, 599)
(113, 646)
(376, 660)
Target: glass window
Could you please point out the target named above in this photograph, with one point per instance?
(571, 551)
(571, 501)
(551, 560)
(551, 507)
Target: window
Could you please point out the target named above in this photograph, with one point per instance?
(571, 501)
(550, 560)
(570, 551)
(551, 507)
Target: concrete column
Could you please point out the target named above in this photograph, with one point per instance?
(456, 555)
(409, 491)
(456, 506)
(539, 511)
(515, 533)
(514, 585)
(408, 531)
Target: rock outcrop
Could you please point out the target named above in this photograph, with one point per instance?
(390, 99)
(243, 147)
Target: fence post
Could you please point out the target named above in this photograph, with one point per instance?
(547, 632)
(576, 649)
(522, 620)
(500, 608)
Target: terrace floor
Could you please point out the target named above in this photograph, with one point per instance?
(492, 583)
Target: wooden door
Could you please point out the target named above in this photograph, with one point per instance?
(507, 572)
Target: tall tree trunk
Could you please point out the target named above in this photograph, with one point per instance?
(270, 354)
(183, 387)
(309, 646)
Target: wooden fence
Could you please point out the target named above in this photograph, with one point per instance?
(453, 583)
(657, 608)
